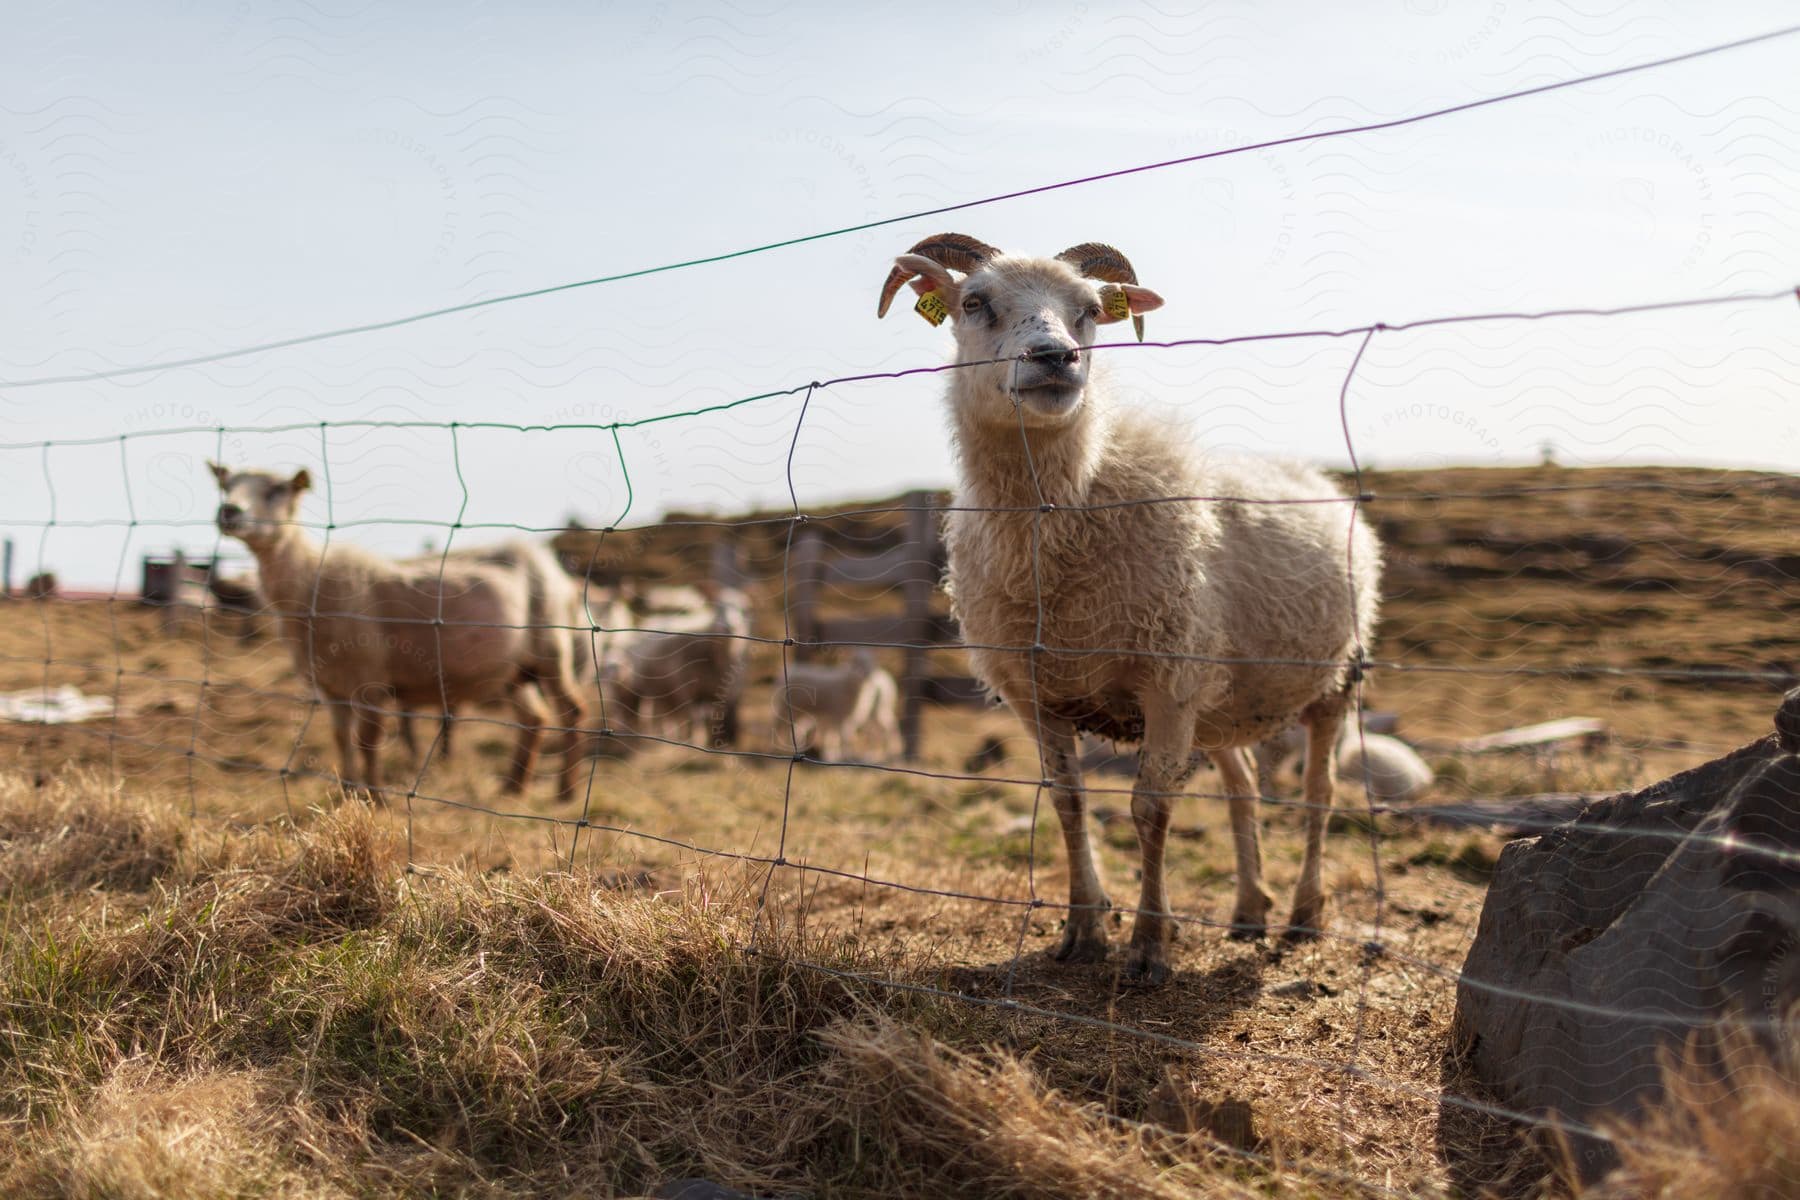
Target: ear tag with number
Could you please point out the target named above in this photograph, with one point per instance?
(1116, 303)
(931, 307)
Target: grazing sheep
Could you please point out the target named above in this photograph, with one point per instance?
(686, 671)
(486, 625)
(1094, 603)
(1390, 771)
(829, 705)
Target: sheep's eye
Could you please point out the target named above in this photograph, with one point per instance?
(1091, 313)
(972, 304)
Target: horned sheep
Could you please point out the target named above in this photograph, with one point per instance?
(498, 623)
(1095, 598)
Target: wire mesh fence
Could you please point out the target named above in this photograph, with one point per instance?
(242, 715)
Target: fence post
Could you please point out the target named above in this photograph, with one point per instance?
(805, 563)
(916, 589)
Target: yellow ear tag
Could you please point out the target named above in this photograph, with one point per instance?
(1116, 303)
(931, 307)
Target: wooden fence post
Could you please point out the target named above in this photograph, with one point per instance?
(916, 589)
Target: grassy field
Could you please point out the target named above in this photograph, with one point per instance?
(257, 990)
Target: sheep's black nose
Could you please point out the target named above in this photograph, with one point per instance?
(1059, 354)
(229, 512)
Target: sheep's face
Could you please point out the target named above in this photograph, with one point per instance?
(255, 506)
(1035, 318)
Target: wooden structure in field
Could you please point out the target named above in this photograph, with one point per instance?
(175, 579)
(818, 575)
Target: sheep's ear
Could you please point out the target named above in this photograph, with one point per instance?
(219, 473)
(301, 481)
(1121, 300)
(933, 276)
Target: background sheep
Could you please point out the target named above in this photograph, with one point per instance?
(1060, 542)
(1387, 768)
(684, 674)
(827, 705)
(483, 626)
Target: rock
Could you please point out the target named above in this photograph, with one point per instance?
(1176, 1104)
(1301, 989)
(1648, 920)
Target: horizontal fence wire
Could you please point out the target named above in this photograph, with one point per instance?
(1376, 947)
(942, 210)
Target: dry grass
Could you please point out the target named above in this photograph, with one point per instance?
(264, 1000)
(1730, 1134)
(282, 1011)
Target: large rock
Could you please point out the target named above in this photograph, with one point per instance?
(1647, 920)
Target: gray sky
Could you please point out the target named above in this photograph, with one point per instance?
(183, 178)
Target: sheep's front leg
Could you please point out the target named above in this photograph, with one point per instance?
(408, 735)
(1084, 936)
(528, 712)
(1164, 763)
(1249, 919)
(1324, 720)
(371, 729)
(343, 732)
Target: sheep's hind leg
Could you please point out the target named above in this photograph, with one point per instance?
(1164, 764)
(1250, 916)
(1084, 935)
(1324, 720)
(566, 710)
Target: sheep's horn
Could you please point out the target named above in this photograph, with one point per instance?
(1097, 260)
(958, 251)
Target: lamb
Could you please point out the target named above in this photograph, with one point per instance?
(481, 626)
(1389, 770)
(832, 704)
(1091, 602)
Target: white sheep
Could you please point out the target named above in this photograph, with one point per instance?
(498, 623)
(828, 705)
(1093, 599)
(684, 673)
(1388, 769)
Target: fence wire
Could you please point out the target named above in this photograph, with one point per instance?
(595, 634)
(1375, 951)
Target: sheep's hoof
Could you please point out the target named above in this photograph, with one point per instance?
(1143, 969)
(1305, 925)
(1082, 944)
(1247, 929)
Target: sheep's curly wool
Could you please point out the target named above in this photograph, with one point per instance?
(1257, 608)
